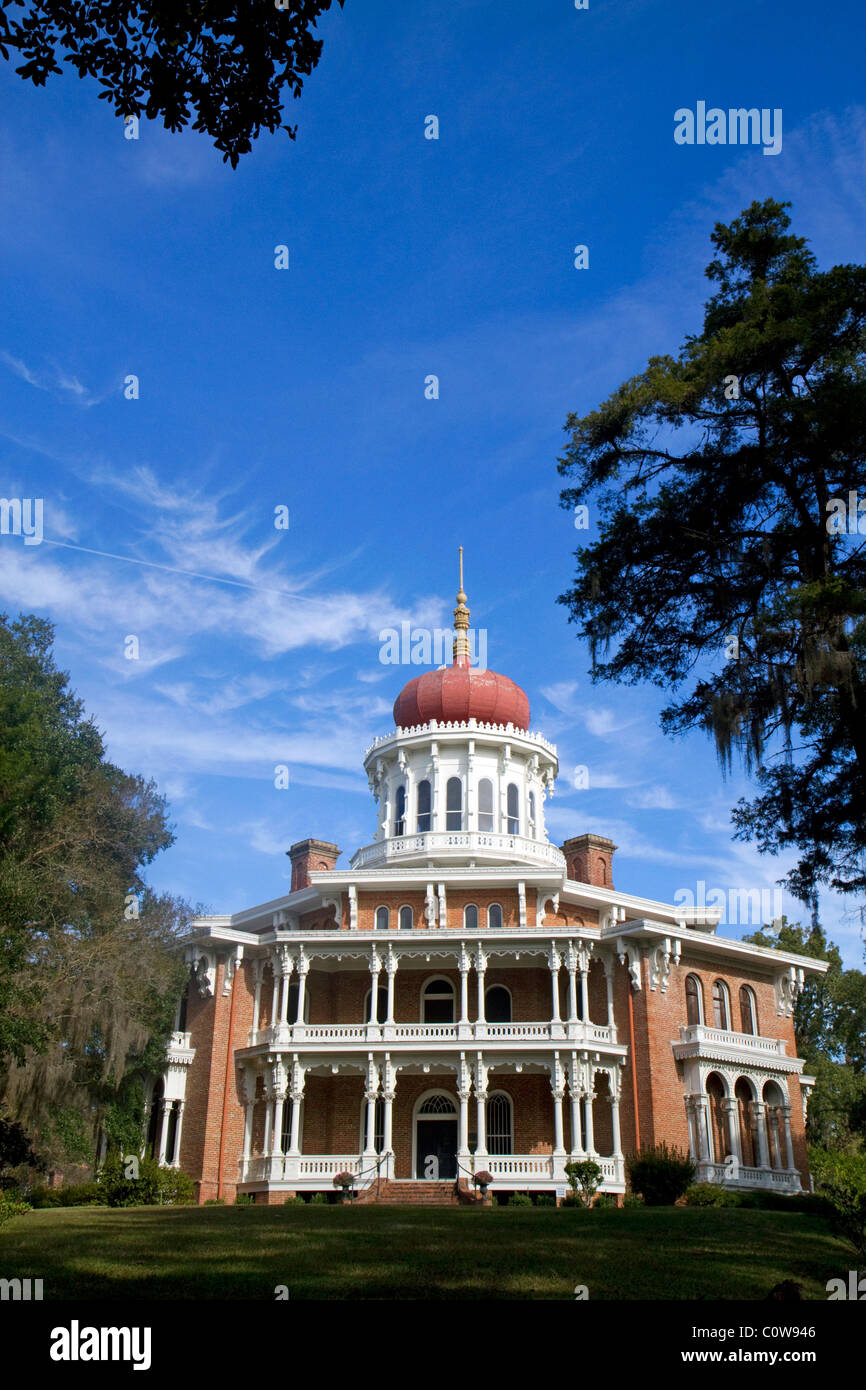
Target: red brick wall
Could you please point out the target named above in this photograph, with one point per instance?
(203, 1134)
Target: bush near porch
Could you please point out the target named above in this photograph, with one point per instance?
(375, 1252)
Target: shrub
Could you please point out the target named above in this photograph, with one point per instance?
(632, 1199)
(584, 1177)
(154, 1186)
(245, 1199)
(318, 1199)
(545, 1199)
(660, 1174)
(176, 1189)
(605, 1199)
(710, 1194)
(83, 1194)
(9, 1207)
(841, 1179)
(294, 1202)
(519, 1199)
(214, 1202)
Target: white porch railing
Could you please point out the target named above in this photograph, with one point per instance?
(780, 1179)
(348, 1035)
(509, 1170)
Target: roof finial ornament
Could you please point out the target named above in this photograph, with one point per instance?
(461, 623)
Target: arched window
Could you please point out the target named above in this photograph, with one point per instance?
(383, 919)
(513, 804)
(532, 815)
(485, 804)
(603, 872)
(497, 1008)
(500, 1129)
(423, 807)
(694, 1000)
(438, 1105)
(437, 1004)
(406, 919)
(400, 811)
(454, 804)
(494, 915)
(381, 1005)
(470, 917)
(721, 1005)
(748, 1010)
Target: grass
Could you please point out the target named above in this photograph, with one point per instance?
(404, 1253)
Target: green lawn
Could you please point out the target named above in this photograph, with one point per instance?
(392, 1253)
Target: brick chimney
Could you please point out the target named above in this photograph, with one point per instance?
(589, 859)
(308, 856)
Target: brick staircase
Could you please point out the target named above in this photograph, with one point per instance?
(415, 1194)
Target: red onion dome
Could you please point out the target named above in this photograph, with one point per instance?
(458, 693)
(461, 692)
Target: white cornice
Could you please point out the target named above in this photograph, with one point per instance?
(720, 946)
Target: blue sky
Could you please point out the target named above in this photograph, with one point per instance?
(305, 388)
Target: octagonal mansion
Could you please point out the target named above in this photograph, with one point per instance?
(467, 996)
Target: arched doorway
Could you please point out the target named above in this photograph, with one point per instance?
(719, 1144)
(773, 1102)
(435, 1135)
(746, 1116)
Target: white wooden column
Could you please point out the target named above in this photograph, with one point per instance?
(760, 1111)
(303, 967)
(557, 1086)
(554, 961)
(615, 1078)
(389, 1086)
(480, 1107)
(571, 964)
(574, 1094)
(275, 998)
(464, 1084)
(297, 1095)
(370, 1095)
(464, 963)
(732, 1113)
(588, 1099)
(164, 1110)
(257, 996)
(789, 1146)
(391, 965)
(481, 967)
(584, 984)
(285, 977)
(609, 967)
(703, 1134)
(175, 1161)
(375, 968)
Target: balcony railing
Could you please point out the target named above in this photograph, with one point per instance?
(480, 844)
(179, 1049)
(715, 1038)
(779, 1179)
(344, 1036)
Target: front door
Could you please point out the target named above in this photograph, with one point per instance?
(436, 1149)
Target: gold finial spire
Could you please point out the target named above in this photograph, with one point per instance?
(461, 621)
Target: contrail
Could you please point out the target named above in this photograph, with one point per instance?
(173, 569)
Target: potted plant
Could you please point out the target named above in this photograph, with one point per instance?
(345, 1185)
(483, 1181)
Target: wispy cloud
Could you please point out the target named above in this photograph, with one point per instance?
(57, 380)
